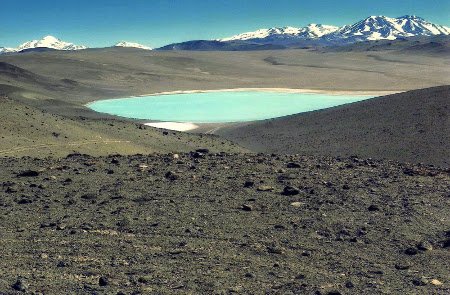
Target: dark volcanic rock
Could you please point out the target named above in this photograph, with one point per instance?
(290, 191)
(20, 285)
(28, 173)
(373, 208)
(293, 165)
(249, 183)
(103, 281)
(411, 251)
(247, 207)
(172, 176)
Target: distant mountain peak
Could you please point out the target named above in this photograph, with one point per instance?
(50, 42)
(387, 28)
(132, 45)
(310, 31)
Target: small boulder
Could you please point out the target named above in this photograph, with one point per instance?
(411, 251)
(420, 281)
(291, 191)
(265, 188)
(28, 173)
(172, 176)
(247, 208)
(293, 165)
(20, 285)
(202, 150)
(103, 281)
(373, 208)
(436, 282)
(425, 246)
(296, 204)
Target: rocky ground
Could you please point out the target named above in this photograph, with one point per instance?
(204, 223)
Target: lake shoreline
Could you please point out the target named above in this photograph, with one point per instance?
(180, 124)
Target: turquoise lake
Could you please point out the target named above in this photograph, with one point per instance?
(220, 107)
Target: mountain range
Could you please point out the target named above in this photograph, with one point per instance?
(53, 43)
(373, 28)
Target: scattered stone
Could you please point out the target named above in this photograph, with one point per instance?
(89, 196)
(249, 183)
(62, 264)
(420, 281)
(290, 191)
(402, 265)
(411, 251)
(103, 281)
(306, 253)
(143, 167)
(247, 207)
(144, 279)
(446, 243)
(24, 201)
(425, 246)
(202, 150)
(265, 188)
(349, 285)
(346, 187)
(249, 275)
(293, 165)
(28, 173)
(436, 282)
(275, 250)
(20, 285)
(297, 204)
(410, 172)
(197, 155)
(172, 176)
(334, 292)
(373, 208)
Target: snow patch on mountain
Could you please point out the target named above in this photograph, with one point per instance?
(310, 31)
(6, 50)
(50, 42)
(386, 28)
(369, 29)
(132, 45)
(46, 42)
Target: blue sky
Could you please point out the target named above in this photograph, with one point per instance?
(99, 23)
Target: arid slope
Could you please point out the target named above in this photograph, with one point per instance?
(413, 126)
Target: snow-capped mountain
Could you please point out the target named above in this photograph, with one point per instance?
(46, 42)
(309, 32)
(6, 50)
(50, 42)
(386, 28)
(132, 45)
(369, 29)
